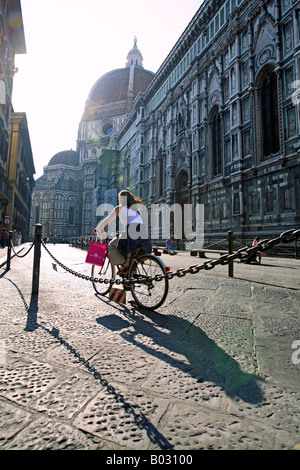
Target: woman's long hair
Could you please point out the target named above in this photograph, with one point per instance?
(131, 199)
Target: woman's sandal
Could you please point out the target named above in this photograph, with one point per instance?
(123, 270)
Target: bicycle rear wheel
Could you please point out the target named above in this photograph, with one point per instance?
(106, 271)
(148, 293)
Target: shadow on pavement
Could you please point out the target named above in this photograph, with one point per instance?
(266, 283)
(139, 418)
(206, 361)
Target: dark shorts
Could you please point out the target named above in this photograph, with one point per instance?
(127, 244)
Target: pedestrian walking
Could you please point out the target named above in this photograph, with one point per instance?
(4, 238)
(14, 237)
(19, 239)
(259, 253)
(169, 246)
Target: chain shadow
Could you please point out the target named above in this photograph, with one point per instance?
(205, 360)
(139, 418)
(266, 284)
(31, 309)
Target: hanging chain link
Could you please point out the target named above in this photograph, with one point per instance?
(242, 254)
(22, 256)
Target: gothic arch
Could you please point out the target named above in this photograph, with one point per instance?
(161, 173)
(71, 215)
(213, 87)
(215, 142)
(181, 185)
(180, 120)
(267, 112)
(182, 192)
(263, 35)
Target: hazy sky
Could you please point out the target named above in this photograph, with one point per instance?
(72, 43)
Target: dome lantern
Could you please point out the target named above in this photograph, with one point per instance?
(134, 56)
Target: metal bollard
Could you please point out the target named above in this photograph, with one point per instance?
(230, 251)
(36, 259)
(8, 251)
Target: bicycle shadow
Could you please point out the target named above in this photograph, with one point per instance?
(172, 337)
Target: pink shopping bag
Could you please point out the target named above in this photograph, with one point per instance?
(96, 253)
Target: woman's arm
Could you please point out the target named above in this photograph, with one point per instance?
(104, 222)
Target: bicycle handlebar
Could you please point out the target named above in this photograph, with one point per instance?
(102, 236)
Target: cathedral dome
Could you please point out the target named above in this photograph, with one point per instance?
(66, 157)
(113, 86)
(115, 90)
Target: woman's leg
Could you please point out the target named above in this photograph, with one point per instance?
(115, 256)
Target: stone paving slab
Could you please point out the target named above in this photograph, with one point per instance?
(210, 369)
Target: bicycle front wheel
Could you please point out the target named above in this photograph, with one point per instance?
(147, 292)
(106, 271)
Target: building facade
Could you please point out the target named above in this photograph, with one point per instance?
(12, 41)
(70, 209)
(219, 123)
(20, 174)
(56, 199)
(108, 105)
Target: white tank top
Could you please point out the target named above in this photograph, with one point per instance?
(129, 216)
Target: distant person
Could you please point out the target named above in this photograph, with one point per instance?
(169, 246)
(4, 237)
(19, 239)
(259, 253)
(14, 237)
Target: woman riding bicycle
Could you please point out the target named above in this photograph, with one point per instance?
(135, 235)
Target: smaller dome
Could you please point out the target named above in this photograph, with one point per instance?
(66, 157)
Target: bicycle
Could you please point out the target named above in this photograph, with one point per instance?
(149, 289)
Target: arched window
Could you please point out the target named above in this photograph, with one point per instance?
(71, 216)
(216, 144)
(59, 206)
(180, 121)
(70, 185)
(269, 115)
(160, 173)
(45, 206)
(87, 207)
(37, 214)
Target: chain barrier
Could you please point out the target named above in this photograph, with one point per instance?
(216, 244)
(25, 254)
(84, 276)
(243, 254)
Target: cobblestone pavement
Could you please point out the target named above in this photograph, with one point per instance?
(214, 368)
